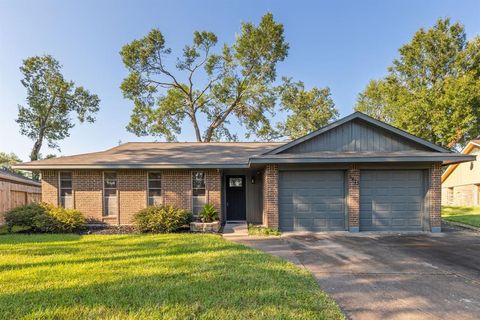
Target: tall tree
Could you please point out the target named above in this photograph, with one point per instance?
(239, 83)
(433, 89)
(7, 160)
(307, 110)
(52, 101)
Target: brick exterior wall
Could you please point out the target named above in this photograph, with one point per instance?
(270, 196)
(132, 191)
(435, 197)
(87, 193)
(214, 189)
(353, 200)
(50, 187)
(466, 195)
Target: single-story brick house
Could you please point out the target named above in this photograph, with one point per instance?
(461, 181)
(355, 174)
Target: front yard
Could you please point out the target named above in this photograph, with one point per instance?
(173, 276)
(465, 215)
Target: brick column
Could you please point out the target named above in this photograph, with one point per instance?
(435, 197)
(132, 192)
(50, 187)
(353, 200)
(88, 194)
(270, 196)
(177, 188)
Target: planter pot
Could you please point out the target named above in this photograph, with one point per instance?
(205, 226)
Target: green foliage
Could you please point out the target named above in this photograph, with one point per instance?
(7, 160)
(162, 219)
(308, 110)
(208, 213)
(465, 215)
(45, 218)
(239, 82)
(51, 102)
(255, 230)
(433, 89)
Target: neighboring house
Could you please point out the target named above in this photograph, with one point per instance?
(354, 174)
(16, 190)
(461, 182)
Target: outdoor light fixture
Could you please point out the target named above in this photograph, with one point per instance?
(253, 180)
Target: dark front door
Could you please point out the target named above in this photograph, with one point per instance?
(235, 186)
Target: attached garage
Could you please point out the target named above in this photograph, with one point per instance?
(392, 200)
(312, 200)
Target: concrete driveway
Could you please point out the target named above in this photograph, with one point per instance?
(390, 276)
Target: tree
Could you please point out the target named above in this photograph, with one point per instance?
(308, 110)
(51, 102)
(433, 89)
(239, 83)
(7, 160)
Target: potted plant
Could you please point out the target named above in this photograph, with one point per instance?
(209, 220)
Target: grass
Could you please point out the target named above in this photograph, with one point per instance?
(465, 215)
(254, 230)
(172, 276)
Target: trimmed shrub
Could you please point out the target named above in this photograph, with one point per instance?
(45, 218)
(208, 213)
(161, 219)
(23, 216)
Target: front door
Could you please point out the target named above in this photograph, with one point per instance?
(235, 187)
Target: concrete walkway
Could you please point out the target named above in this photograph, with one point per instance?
(388, 276)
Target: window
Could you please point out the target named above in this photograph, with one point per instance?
(66, 190)
(110, 203)
(198, 191)
(235, 182)
(154, 189)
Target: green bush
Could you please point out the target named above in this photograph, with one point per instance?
(161, 219)
(45, 218)
(255, 230)
(208, 213)
(23, 216)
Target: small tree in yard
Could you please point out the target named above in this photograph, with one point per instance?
(51, 102)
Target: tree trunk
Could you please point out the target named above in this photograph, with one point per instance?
(36, 148)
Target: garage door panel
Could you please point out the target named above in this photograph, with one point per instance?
(391, 200)
(312, 200)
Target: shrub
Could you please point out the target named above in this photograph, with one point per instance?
(45, 218)
(208, 213)
(255, 230)
(60, 220)
(23, 216)
(161, 219)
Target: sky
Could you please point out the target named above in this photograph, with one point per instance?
(339, 44)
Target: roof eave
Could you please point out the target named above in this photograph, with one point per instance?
(130, 166)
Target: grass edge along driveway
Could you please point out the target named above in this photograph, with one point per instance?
(465, 215)
(172, 276)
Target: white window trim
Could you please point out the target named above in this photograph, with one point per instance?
(191, 185)
(59, 190)
(161, 187)
(103, 196)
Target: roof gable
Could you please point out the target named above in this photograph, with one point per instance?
(473, 147)
(357, 132)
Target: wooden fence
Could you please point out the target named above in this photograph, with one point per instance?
(13, 194)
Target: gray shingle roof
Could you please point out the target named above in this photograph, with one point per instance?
(161, 155)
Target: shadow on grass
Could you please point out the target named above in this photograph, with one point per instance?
(19, 238)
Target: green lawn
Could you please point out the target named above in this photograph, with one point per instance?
(174, 276)
(466, 215)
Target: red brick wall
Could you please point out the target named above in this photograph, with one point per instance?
(353, 200)
(132, 193)
(435, 197)
(49, 186)
(214, 189)
(88, 192)
(270, 196)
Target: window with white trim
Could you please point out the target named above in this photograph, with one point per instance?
(110, 197)
(154, 189)
(198, 191)
(66, 190)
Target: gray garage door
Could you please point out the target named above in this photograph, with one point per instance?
(391, 200)
(312, 200)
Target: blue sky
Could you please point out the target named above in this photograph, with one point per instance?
(340, 44)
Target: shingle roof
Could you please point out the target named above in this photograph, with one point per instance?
(6, 174)
(161, 155)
